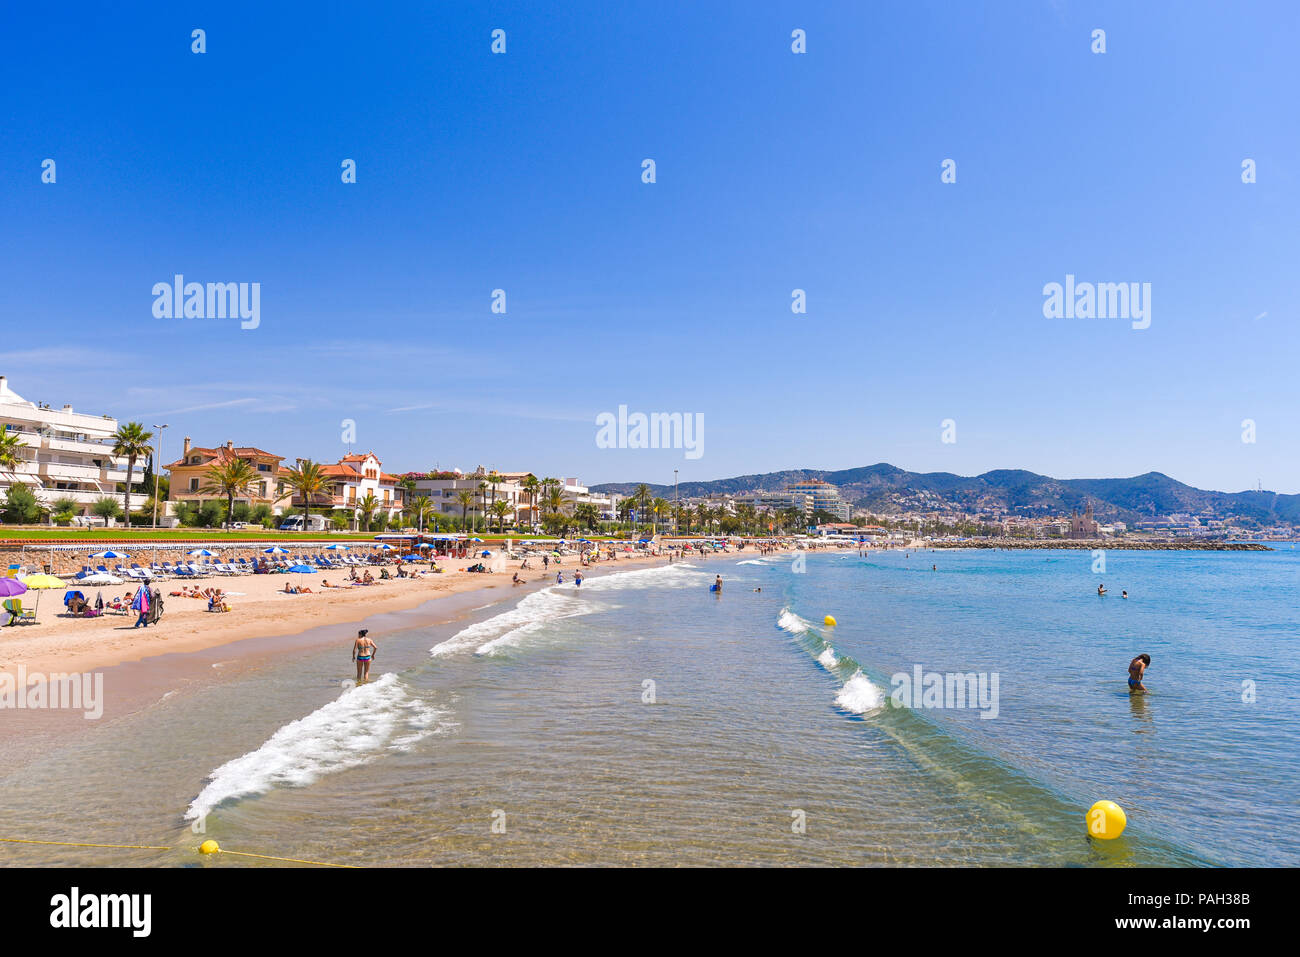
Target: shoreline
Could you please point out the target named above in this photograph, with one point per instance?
(259, 610)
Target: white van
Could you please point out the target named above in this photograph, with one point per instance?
(294, 523)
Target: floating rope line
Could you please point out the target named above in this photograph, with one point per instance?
(137, 847)
(157, 847)
(292, 860)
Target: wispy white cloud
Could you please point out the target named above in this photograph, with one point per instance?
(203, 407)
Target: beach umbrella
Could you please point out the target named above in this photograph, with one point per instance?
(276, 550)
(100, 578)
(302, 569)
(336, 548)
(192, 551)
(40, 583)
(410, 558)
(476, 539)
(109, 554)
(9, 587)
(384, 548)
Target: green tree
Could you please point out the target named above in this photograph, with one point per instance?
(10, 443)
(132, 441)
(21, 506)
(230, 478)
(466, 498)
(308, 480)
(367, 505)
(106, 507)
(500, 509)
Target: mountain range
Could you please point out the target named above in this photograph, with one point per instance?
(885, 489)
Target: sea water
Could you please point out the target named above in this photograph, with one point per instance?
(642, 719)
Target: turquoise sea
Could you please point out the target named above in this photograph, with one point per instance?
(644, 720)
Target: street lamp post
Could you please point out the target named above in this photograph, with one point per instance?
(157, 463)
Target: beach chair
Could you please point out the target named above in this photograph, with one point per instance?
(17, 614)
(85, 570)
(102, 569)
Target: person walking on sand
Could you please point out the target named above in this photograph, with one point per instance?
(140, 604)
(363, 652)
(1137, 669)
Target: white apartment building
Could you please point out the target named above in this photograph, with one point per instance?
(575, 493)
(444, 492)
(351, 479)
(66, 454)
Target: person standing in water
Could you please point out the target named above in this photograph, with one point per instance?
(577, 579)
(363, 652)
(1137, 669)
(717, 585)
(1101, 590)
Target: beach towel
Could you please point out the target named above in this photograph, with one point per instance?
(140, 603)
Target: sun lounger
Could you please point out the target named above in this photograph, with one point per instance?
(17, 614)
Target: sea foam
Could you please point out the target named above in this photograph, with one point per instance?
(354, 728)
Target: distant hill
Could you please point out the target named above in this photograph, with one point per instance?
(886, 489)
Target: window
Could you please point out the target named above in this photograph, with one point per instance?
(194, 485)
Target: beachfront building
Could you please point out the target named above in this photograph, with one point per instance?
(575, 494)
(825, 497)
(777, 501)
(190, 473)
(352, 478)
(63, 454)
(485, 486)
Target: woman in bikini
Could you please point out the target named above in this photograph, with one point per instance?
(363, 652)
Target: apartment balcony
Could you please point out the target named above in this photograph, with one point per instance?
(97, 449)
(66, 472)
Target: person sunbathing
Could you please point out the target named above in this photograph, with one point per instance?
(368, 579)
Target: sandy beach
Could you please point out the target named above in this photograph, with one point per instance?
(259, 608)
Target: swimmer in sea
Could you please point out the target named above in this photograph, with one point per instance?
(363, 652)
(1137, 669)
(1123, 594)
(1101, 589)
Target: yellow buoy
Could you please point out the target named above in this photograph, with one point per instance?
(209, 847)
(830, 620)
(1106, 820)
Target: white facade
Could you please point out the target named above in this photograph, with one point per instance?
(67, 454)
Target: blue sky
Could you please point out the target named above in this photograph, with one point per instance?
(775, 171)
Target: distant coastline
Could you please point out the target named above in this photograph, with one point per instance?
(1110, 544)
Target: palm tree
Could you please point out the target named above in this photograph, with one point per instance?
(500, 509)
(420, 509)
(230, 478)
(308, 480)
(588, 515)
(466, 499)
(367, 505)
(657, 507)
(10, 443)
(531, 486)
(132, 441)
(642, 495)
